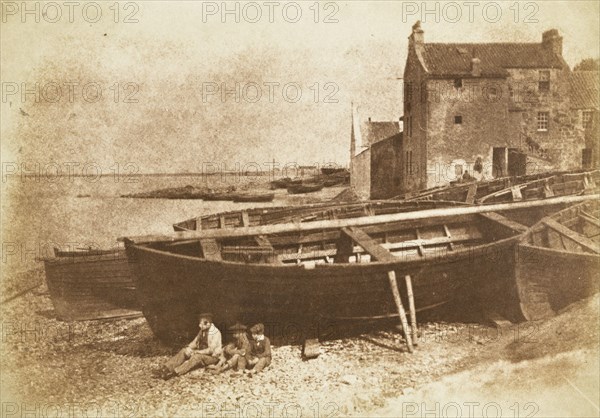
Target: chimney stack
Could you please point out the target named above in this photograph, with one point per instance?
(417, 36)
(475, 67)
(552, 41)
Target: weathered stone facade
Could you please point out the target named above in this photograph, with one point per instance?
(461, 101)
(487, 109)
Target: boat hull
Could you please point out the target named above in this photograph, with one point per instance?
(84, 287)
(551, 270)
(174, 288)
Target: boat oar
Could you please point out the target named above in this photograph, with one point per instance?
(362, 221)
(401, 311)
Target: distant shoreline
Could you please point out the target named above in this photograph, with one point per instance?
(228, 173)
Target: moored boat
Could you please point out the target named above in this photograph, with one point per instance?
(562, 184)
(558, 260)
(334, 269)
(285, 182)
(253, 197)
(333, 170)
(501, 189)
(304, 188)
(91, 284)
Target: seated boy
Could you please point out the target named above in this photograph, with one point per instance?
(260, 349)
(234, 353)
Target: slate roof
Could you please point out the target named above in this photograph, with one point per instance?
(373, 132)
(446, 60)
(584, 89)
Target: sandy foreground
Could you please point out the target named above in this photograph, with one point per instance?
(103, 368)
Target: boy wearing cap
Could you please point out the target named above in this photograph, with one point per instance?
(204, 350)
(260, 349)
(234, 353)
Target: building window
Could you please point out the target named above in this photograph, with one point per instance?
(457, 120)
(544, 83)
(458, 83)
(542, 121)
(586, 119)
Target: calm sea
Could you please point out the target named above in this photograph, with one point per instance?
(39, 213)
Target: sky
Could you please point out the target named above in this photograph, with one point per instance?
(190, 84)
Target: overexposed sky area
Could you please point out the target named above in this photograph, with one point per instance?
(290, 71)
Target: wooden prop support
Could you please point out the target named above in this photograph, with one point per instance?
(401, 311)
(411, 307)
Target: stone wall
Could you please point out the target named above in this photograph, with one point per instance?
(415, 135)
(483, 109)
(561, 145)
(386, 168)
(360, 174)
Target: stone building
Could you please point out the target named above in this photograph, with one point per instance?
(375, 158)
(584, 104)
(492, 109)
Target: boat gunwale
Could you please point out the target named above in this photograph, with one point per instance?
(323, 205)
(449, 256)
(558, 251)
(526, 238)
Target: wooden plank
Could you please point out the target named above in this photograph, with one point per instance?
(516, 193)
(263, 241)
(471, 193)
(449, 236)
(416, 216)
(548, 192)
(374, 249)
(245, 218)
(498, 320)
(210, 249)
(419, 240)
(572, 235)
(590, 220)
(421, 243)
(311, 348)
(400, 307)
(495, 217)
(589, 215)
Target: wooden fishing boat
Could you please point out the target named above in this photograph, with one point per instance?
(514, 189)
(91, 284)
(304, 188)
(333, 170)
(295, 274)
(285, 182)
(485, 191)
(253, 197)
(563, 184)
(305, 213)
(82, 252)
(218, 196)
(558, 261)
